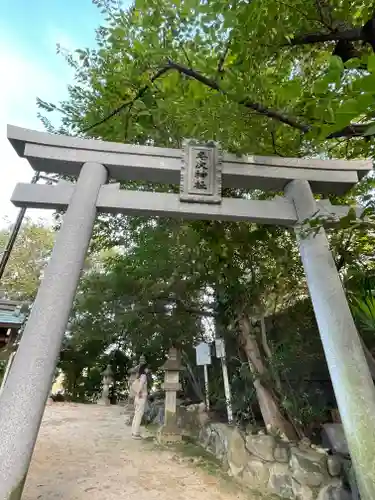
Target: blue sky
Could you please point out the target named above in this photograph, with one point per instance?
(29, 32)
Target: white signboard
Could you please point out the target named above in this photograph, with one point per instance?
(220, 348)
(203, 353)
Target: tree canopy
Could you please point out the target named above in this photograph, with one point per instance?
(265, 70)
(27, 260)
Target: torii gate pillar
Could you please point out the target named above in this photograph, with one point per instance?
(28, 385)
(350, 375)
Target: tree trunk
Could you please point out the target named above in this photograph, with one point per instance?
(194, 382)
(269, 406)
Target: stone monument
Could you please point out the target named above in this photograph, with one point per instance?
(169, 432)
(107, 382)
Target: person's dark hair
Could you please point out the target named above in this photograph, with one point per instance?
(142, 370)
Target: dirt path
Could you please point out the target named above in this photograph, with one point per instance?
(85, 452)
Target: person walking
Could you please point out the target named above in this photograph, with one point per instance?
(139, 389)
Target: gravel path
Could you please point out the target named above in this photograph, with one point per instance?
(85, 452)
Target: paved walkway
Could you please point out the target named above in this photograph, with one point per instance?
(85, 452)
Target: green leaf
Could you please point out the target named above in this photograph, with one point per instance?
(365, 84)
(321, 86)
(336, 64)
(347, 112)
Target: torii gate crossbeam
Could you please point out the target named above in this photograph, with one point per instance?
(202, 171)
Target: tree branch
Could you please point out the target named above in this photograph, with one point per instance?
(365, 33)
(351, 35)
(303, 14)
(163, 310)
(274, 144)
(131, 102)
(185, 54)
(259, 108)
(324, 14)
(355, 130)
(263, 333)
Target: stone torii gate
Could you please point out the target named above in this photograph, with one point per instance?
(201, 171)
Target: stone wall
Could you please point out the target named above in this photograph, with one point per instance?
(191, 419)
(299, 471)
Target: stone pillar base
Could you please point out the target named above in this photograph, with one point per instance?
(103, 402)
(169, 434)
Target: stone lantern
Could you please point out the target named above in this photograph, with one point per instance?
(107, 382)
(170, 432)
(129, 406)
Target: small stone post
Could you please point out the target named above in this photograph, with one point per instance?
(129, 406)
(107, 382)
(170, 432)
